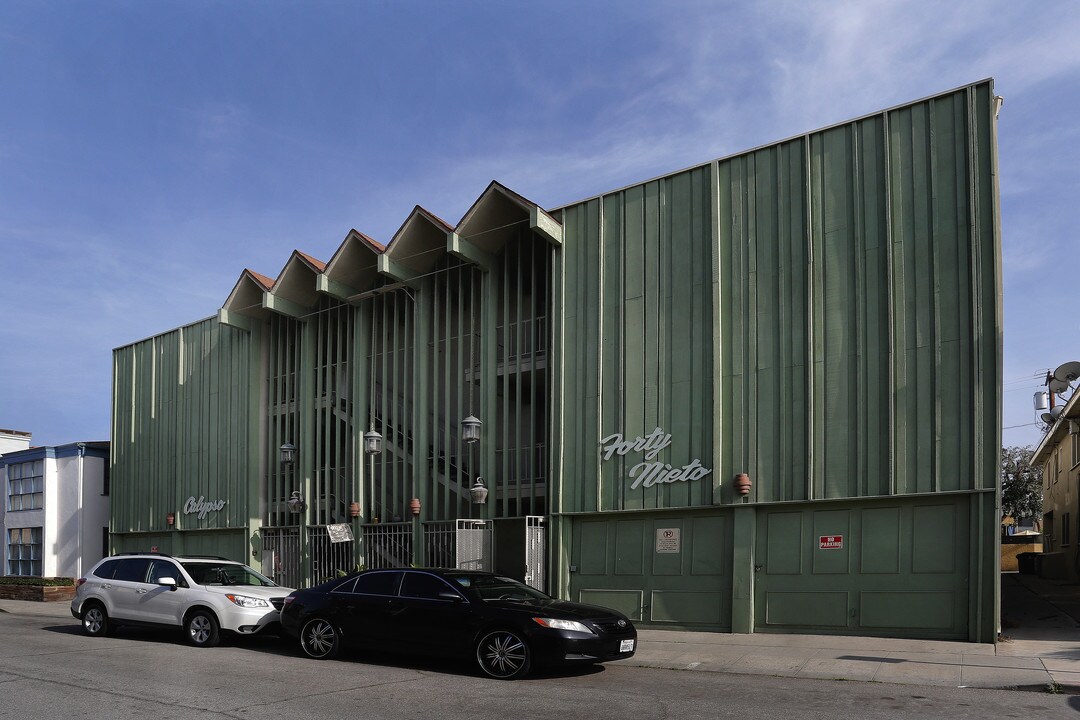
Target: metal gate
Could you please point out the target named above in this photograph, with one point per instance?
(535, 552)
(473, 545)
(388, 545)
(439, 541)
(281, 555)
(327, 557)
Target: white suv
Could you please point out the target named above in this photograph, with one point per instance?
(202, 595)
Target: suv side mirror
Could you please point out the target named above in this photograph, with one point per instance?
(450, 595)
(167, 582)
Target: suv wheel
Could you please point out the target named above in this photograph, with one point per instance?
(201, 628)
(95, 621)
(319, 639)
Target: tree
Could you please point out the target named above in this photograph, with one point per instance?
(1021, 483)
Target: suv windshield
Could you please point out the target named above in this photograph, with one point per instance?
(213, 573)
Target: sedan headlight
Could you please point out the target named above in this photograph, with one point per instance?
(556, 624)
(247, 602)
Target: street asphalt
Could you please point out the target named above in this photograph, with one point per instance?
(1039, 648)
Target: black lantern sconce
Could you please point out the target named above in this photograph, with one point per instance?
(287, 454)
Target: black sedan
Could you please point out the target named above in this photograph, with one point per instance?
(504, 625)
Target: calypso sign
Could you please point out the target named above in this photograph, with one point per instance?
(652, 471)
(202, 506)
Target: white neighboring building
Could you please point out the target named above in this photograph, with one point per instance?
(12, 440)
(55, 513)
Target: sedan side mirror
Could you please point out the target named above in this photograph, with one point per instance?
(167, 582)
(449, 595)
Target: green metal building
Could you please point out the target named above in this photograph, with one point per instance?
(821, 314)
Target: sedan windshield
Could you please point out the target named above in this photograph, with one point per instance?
(490, 587)
(209, 573)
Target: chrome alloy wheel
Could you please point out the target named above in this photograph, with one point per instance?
(319, 639)
(503, 655)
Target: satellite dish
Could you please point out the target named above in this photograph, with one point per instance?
(1068, 372)
(1058, 386)
(1056, 412)
(1047, 418)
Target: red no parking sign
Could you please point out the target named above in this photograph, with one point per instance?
(830, 542)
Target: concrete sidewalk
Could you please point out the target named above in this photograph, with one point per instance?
(1040, 647)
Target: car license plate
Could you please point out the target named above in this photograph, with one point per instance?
(626, 646)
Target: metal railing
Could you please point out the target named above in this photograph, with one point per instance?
(387, 545)
(439, 544)
(525, 465)
(328, 558)
(531, 340)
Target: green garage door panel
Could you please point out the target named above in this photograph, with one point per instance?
(907, 609)
(705, 608)
(628, 602)
(890, 567)
(819, 609)
(671, 569)
(593, 547)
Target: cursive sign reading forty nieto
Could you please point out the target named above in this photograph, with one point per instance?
(651, 472)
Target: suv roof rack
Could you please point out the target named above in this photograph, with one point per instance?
(156, 554)
(205, 557)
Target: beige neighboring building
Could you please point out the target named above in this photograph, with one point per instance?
(1059, 456)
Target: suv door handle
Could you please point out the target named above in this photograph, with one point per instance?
(106, 586)
(141, 591)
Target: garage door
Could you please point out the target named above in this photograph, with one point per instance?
(665, 570)
(892, 568)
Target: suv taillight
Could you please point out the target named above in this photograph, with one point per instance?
(79, 582)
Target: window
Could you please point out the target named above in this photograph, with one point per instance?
(378, 583)
(26, 485)
(132, 570)
(422, 585)
(166, 569)
(1065, 531)
(105, 478)
(24, 551)
(104, 542)
(107, 569)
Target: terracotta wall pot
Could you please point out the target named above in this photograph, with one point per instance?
(742, 484)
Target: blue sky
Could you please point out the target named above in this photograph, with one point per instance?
(149, 151)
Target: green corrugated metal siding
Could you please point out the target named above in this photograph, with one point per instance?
(181, 421)
(859, 347)
(638, 333)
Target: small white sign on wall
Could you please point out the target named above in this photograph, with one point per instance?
(668, 540)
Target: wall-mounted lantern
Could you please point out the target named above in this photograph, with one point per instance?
(414, 506)
(479, 492)
(287, 454)
(470, 429)
(296, 503)
(372, 442)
